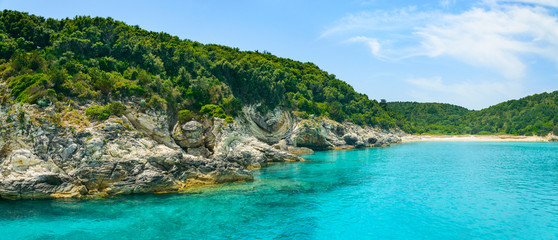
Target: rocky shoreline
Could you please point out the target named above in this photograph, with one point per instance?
(56, 152)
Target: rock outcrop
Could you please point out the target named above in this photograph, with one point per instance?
(286, 132)
(51, 153)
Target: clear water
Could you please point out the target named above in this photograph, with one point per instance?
(436, 190)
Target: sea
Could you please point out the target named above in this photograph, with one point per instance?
(421, 190)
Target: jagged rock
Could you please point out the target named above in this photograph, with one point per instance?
(313, 136)
(350, 139)
(237, 149)
(69, 151)
(25, 175)
(152, 126)
(199, 151)
(282, 145)
(269, 127)
(210, 134)
(188, 135)
(22, 159)
(137, 153)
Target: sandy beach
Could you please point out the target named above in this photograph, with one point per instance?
(476, 138)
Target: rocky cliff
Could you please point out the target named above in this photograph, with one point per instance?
(55, 151)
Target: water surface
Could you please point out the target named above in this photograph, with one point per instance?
(429, 190)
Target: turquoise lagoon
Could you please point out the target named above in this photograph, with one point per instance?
(429, 190)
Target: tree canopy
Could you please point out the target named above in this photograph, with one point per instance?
(94, 59)
(100, 61)
(533, 115)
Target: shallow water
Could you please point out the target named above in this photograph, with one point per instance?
(429, 190)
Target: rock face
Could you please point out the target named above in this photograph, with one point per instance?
(286, 132)
(45, 153)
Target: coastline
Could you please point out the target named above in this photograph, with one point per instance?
(475, 138)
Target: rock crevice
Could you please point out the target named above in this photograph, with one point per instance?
(136, 153)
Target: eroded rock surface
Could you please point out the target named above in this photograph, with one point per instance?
(45, 153)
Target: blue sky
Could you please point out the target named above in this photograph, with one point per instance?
(470, 53)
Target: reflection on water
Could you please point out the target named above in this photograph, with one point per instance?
(459, 190)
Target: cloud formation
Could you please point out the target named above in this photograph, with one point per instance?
(372, 43)
(494, 38)
(379, 21)
(495, 35)
(549, 3)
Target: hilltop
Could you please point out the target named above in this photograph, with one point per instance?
(532, 115)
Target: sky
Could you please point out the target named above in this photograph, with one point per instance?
(469, 53)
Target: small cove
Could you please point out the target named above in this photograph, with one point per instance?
(423, 190)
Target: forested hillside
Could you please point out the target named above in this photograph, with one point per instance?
(437, 118)
(536, 114)
(102, 61)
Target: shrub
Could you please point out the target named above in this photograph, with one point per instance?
(232, 106)
(97, 112)
(229, 119)
(185, 116)
(213, 111)
(116, 108)
(156, 102)
(136, 90)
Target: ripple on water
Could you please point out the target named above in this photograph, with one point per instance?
(441, 190)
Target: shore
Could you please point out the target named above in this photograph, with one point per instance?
(476, 138)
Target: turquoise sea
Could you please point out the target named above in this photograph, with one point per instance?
(429, 190)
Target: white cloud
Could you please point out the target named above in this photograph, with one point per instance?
(493, 38)
(379, 21)
(549, 3)
(496, 36)
(372, 43)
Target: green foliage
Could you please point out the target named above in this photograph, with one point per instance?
(232, 106)
(102, 60)
(157, 103)
(229, 119)
(433, 118)
(532, 115)
(100, 113)
(213, 111)
(21, 117)
(186, 115)
(116, 108)
(28, 88)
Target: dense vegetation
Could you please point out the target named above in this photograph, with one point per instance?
(103, 62)
(536, 114)
(100, 61)
(434, 118)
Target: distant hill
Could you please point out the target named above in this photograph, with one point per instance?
(440, 118)
(536, 114)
